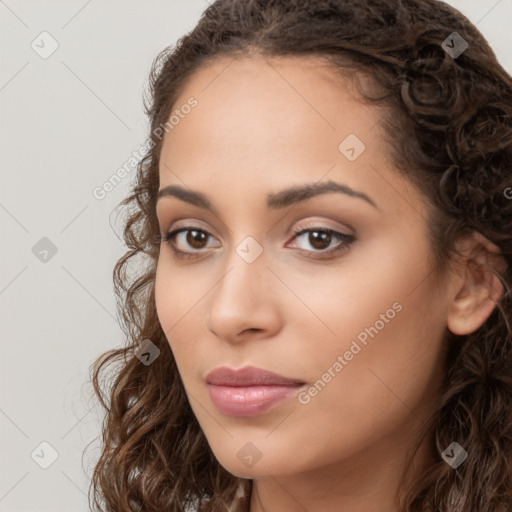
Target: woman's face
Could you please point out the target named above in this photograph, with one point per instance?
(348, 308)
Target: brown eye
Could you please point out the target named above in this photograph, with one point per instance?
(188, 242)
(196, 238)
(319, 239)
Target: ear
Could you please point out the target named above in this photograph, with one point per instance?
(476, 289)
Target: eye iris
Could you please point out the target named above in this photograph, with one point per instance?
(193, 236)
(324, 238)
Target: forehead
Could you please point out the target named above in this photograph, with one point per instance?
(262, 125)
(257, 108)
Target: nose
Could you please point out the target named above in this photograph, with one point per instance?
(244, 303)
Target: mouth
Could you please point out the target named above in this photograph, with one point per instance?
(249, 391)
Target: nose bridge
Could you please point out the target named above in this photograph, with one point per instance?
(245, 269)
(239, 300)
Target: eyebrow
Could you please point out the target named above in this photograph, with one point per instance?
(275, 201)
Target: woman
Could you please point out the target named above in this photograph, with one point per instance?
(323, 318)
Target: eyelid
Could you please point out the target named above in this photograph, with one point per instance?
(189, 223)
(323, 224)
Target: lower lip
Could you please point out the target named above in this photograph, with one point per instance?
(250, 400)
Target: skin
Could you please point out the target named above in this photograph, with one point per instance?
(260, 126)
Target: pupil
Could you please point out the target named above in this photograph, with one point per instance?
(320, 242)
(193, 236)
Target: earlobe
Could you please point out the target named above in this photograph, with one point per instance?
(477, 288)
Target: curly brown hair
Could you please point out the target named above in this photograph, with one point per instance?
(450, 133)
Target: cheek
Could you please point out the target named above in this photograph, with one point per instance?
(170, 302)
(180, 310)
(177, 292)
(165, 296)
(379, 393)
(350, 297)
(375, 350)
(388, 376)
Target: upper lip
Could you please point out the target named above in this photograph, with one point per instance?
(248, 376)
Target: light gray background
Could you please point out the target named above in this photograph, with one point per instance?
(67, 123)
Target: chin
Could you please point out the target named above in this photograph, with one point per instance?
(261, 469)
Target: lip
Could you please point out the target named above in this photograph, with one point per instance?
(248, 376)
(249, 391)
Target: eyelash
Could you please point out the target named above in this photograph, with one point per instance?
(344, 245)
